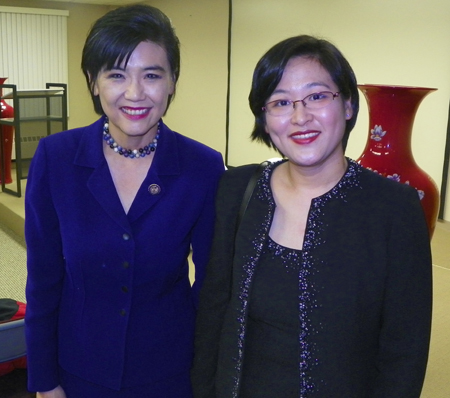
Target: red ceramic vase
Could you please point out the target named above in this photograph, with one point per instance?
(7, 111)
(392, 110)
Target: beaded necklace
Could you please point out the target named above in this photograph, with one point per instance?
(129, 153)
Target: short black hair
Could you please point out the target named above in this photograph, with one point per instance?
(270, 68)
(114, 37)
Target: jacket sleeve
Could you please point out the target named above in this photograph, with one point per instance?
(45, 265)
(406, 318)
(202, 233)
(216, 290)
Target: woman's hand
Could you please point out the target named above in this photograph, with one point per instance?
(57, 392)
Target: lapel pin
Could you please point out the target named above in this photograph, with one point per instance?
(154, 189)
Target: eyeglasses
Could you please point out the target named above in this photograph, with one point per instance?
(283, 107)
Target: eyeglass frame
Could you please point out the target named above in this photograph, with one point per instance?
(336, 94)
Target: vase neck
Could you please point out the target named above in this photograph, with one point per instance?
(392, 110)
(385, 139)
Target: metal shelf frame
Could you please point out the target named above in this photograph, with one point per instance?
(53, 90)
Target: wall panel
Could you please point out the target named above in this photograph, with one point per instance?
(33, 45)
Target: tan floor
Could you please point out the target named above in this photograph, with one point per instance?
(12, 210)
(437, 385)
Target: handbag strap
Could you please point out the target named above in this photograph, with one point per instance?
(249, 191)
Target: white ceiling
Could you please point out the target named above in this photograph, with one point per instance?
(102, 2)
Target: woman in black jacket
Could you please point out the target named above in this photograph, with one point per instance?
(324, 287)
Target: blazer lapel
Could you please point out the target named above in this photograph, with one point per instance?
(102, 188)
(100, 183)
(166, 162)
(254, 227)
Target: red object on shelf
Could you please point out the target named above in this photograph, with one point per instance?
(6, 111)
(392, 110)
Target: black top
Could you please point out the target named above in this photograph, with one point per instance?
(270, 366)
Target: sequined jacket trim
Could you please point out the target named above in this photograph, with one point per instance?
(348, 273)
(307, 293)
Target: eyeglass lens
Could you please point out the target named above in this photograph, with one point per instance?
(311, 101)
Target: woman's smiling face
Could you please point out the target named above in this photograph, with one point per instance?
(135, 96)
(308, 137)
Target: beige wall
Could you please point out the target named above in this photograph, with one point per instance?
(401, 42)
(81, 17)
(199, 109)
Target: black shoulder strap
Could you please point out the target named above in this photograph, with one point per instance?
(249, 191)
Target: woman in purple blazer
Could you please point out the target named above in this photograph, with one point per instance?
(112, 212)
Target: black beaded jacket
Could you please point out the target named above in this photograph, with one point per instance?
(364, 289)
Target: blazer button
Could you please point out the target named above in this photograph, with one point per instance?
(123, 312)
(154, 189)
(126, 237)
(126, 264)
(124, 289)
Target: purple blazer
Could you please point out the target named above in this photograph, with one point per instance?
(108, 293)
